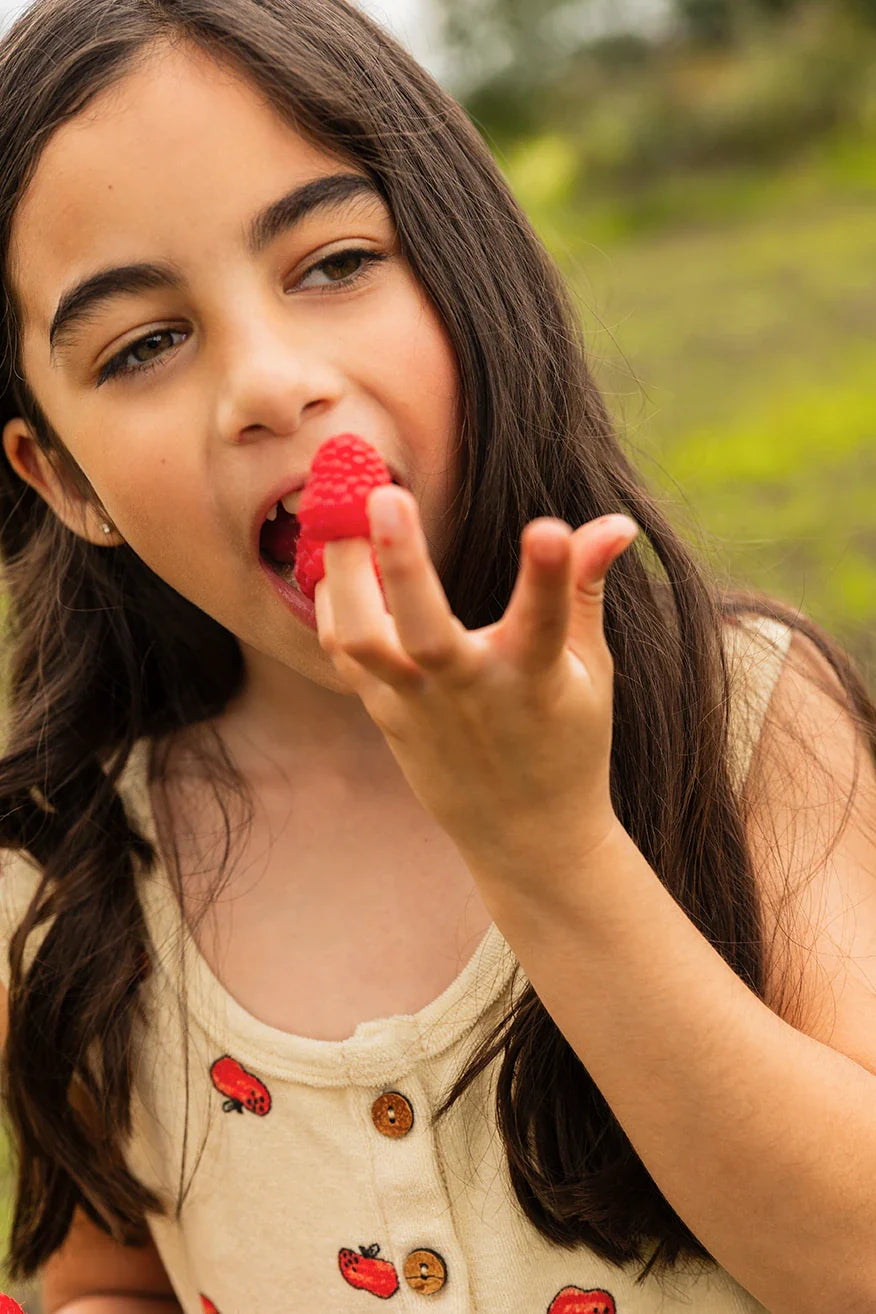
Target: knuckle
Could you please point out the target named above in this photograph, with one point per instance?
(433, 656)
(438, 653)
(592, 593)
(361, 648)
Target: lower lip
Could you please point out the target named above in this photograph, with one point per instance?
(300, 606)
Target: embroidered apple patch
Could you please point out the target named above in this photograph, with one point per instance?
(241, 1088)
(368, 1273)
(572, 1300)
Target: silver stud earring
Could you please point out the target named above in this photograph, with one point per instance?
(107, 529)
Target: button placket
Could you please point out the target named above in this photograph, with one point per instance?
(408, 1179)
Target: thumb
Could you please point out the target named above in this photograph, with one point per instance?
(601, 542)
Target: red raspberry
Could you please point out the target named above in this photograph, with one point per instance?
(333, 504)
(344, 471)
(309, 566)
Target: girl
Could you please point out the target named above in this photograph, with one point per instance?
(503, 945)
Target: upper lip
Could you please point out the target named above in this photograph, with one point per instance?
(293, 483)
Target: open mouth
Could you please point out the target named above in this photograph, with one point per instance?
(278, 541)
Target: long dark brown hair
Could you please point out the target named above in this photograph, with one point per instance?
(101, 652)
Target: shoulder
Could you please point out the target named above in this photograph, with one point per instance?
(810, 815)
(815, 743)
(755, 649)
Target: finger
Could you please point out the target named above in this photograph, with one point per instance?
(535, 627)
(427, 629)
(346, 667)
(325, 624)
(601, 542)
(363, 631)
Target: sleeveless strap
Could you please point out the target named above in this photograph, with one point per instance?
(756, 650)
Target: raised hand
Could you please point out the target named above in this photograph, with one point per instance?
(503, 733)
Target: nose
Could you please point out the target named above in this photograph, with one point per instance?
(274, 372)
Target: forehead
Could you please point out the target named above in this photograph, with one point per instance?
(179, 150)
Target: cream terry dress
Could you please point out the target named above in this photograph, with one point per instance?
(315, 1184)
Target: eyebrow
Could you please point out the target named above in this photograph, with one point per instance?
(79, 302)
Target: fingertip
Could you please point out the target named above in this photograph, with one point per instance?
(624, 526)
(626, 532)
(550, 548)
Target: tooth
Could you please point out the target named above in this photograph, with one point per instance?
(272, 514)
(290, 503)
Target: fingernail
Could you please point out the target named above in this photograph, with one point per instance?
(624, 525)
(385, 515)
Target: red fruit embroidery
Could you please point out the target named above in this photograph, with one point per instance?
(207, 1305)
(333, 505)
(368, 1273)
(572, 1300)
(241, 1087)
(9, 1306)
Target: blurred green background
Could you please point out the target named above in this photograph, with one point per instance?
(705, 176)
(710, 194)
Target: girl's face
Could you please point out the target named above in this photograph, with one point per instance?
(190, 394)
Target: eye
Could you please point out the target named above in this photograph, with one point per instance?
(341, 260)
(119, 365)
(363, 263)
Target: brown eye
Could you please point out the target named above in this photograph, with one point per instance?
(344, 268)
(348, 262)
(148, 344)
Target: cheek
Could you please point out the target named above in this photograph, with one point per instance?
(410, 349)
(428, 361)
(160, 508)
(149, 495)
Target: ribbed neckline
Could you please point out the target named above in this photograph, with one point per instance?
(380, 1050)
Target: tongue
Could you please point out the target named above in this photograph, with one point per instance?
(279, 537)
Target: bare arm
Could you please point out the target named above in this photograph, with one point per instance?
(760, 1133)
(93, 1274)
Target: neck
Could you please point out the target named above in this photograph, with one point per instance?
(283, 720)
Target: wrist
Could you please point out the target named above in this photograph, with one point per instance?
(554, 876)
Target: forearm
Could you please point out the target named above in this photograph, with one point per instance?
(761, 1138)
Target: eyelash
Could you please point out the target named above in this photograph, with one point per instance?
(116, 367)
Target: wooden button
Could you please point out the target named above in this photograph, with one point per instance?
(425, 1271)
(392, 1114)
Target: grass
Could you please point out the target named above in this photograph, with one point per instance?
(729, 319)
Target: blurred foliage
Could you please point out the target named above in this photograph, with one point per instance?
(718, 21)
(710, 197)
(729, 317)
(692, 109)
(772, 74)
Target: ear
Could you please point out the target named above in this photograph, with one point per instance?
(85, 518)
